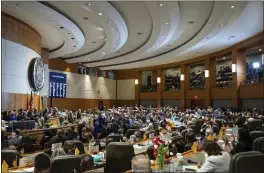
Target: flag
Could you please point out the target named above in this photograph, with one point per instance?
(40, 103)
(4, 166)
(76, 151)
(210, 138)
(31, 102)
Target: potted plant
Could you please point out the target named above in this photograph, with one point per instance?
(160, 150)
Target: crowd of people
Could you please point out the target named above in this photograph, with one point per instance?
(254, 75)
(197, 80)
(172, 83)
(224, 77)
(96, 126)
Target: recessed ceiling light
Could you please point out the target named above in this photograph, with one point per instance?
(93, 42)
(61, 27)
(224, 57)
(160, 5)
(259, 49)
(221, 25)
(80, 63)
(88, 59)
(100, 14)
(85, 18)
(105, 39)
(103, 53)
(166, 23)
(109, 22)
(72, 38)
(113, 29)
(74, 46)
(88, 4)
(232, 6)
(190, 22)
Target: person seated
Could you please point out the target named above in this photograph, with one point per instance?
(87, 163)
(59, 138)
(47, 151)
(42, 163)
(71, 134)
(69, 147)
(217, 161)
(244, 142)
(15, 138)
(12, 116)
(141, 163)
(47, 135)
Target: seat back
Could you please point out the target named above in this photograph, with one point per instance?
(255, 125)
(258, 145)
(118, 157)
(198, 124)
(256, 134)
(245, 162)
(9, 156)
(115, 137)
(79, 145)
(19, 125)
(65, 164)
(130, 132)
(31, 124)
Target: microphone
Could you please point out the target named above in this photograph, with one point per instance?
(190, 161)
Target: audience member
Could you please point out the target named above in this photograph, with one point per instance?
(141, 163)
(87, 163)
(42, 163)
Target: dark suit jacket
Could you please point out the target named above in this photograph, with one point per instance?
(57, 139)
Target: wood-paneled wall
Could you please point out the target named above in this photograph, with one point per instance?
(58, 64)
(125, 102)
(19, 32)
(14, 101)
(252, 91)
(76, 103)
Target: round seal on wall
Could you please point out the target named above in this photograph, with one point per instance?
(36, 74)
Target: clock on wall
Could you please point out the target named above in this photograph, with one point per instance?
(36, 74)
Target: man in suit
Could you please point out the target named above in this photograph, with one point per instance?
(59, 138)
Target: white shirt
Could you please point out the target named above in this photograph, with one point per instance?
(218, 163)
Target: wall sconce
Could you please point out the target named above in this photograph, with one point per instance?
(206, 73)
(182, 77)
(233, 68)
(136, 81)
(158, 79)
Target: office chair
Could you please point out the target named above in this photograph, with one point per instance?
(258, 145)
(65, 164)
(245, 162)
(9, 156)
(255, 125)
(256, 134)
(115, 137)
(79, 145)
(118, 158)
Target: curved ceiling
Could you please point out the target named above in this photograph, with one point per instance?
(132, 34)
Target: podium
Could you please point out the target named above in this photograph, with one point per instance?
(54, 121)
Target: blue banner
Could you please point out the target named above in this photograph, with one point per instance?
(57, 85)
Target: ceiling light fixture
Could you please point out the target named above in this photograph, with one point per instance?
(190, 22)
(166, 23)
(113, 29)
(88, 4)
(103, 53)
(85, 18)
(61, 27)
(222, 25)
(74, 46)
(224, 57)
(259, 49)
(68, 33)
(160, 5)
(93, 42)
(100, 14)
(105, 39)
(109, 22)
(88, 59)
(232, 6)
(72, 38)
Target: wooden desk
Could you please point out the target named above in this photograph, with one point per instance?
(37, 133)
(54, 121)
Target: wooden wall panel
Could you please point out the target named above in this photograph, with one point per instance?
(19, 32)
(76, 103)
(14, 101)
(148, 95)
(126, 74)
(58, 64)
(171, 95)
(252, 91)
(125, 102)
(200, 93)
(222, 93)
